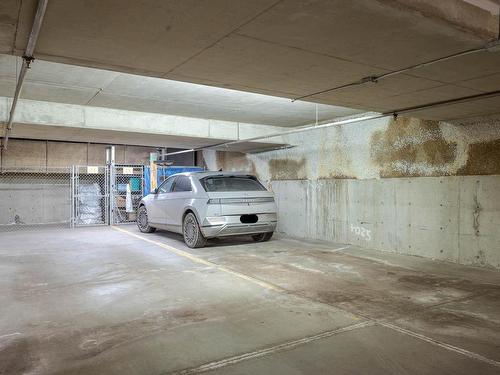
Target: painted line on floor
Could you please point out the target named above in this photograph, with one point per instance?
(441, 344)
(10, 334)
(338, 249)
(196, 259)
(270, 350)
(268, 286)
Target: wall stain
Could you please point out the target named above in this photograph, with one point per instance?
(334, 155)
(235, 161)
(334, 175)
(412, 147)
(483, 159)
(480, 259)
(405, 147)
(287, 169)
(475, 215)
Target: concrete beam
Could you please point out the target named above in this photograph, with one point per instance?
(47, 120)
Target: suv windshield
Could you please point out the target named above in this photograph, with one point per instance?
(231, 183)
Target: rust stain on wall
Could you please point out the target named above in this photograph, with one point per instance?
(411, 147)
(483, 158)
(235, 161)
(287, 169)
(334, 175)
(334, 157)
(405, 147)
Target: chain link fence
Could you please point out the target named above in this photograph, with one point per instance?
(32, 197)
(36, 197)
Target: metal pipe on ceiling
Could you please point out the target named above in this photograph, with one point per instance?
(27, 60)
(491, 46)
(393, 113)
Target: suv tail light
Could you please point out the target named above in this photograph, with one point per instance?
(255, 200)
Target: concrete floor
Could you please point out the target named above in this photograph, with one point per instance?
(114, 301)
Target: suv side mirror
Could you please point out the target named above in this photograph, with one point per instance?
(155, 191)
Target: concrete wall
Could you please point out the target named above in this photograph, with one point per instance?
(34, 198)
(23, 153)
(454, 219)
(411, 186)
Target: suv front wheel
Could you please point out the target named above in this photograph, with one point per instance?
(142, 221)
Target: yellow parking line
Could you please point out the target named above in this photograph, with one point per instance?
(195, 259)
(263, 284)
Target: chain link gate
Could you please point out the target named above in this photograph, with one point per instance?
(89, 195)
(127, 189)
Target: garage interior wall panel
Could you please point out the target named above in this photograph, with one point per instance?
(96, 154)
(23, 153)
(453, 219)
(293, 199)
(61, 154)
(31, 199)
(479, 213)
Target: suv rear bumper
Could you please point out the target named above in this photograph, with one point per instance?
(232, 226)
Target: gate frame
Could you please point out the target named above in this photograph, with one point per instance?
(110, 191)
(113, 189)
(75, 183)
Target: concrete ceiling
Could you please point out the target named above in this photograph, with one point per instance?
(62, 83)
(286, 48)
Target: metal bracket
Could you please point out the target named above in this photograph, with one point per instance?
(373, 79)
(28, 60)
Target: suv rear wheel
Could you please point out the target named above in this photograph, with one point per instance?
(192, 233)
(262, 237)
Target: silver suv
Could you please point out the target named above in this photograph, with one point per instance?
(202, 205)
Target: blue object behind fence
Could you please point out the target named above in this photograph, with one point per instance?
(162, 173)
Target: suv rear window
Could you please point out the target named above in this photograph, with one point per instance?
(231, 183)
